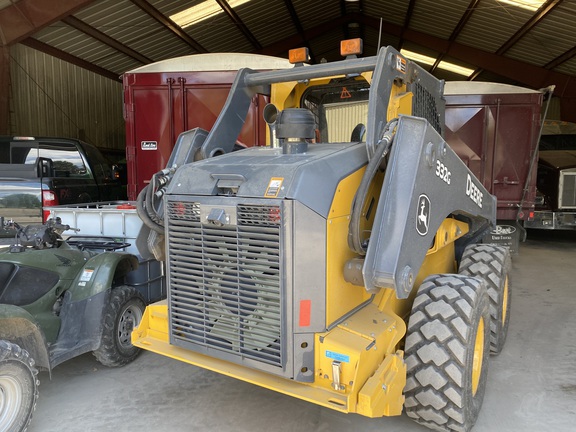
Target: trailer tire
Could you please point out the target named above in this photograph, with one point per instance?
(492, 263)
(18, 387)
(123, 313)
(447, 351)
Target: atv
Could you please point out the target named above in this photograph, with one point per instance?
(60, 299)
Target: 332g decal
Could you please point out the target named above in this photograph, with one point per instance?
(443, 172)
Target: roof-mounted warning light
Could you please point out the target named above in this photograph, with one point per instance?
(350, 48)
(298, 56)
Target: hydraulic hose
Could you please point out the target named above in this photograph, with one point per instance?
(143, 208)
(355, 242)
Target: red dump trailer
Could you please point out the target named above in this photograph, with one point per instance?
(163, 99)
(495, 130)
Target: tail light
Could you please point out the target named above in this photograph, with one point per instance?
(49, 198)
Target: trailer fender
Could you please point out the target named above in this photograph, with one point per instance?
(19, 327)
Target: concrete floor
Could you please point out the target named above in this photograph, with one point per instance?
(531, 384)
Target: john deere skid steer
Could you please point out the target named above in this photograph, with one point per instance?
(341, 264)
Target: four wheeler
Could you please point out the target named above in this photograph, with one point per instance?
(60, 299)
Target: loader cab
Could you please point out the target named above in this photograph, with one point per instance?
(339, 103)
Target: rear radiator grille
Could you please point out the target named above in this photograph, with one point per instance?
(225, 291)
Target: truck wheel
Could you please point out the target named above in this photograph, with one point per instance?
(123, 313)
(492, 263)
(18, 387)
(447, 352)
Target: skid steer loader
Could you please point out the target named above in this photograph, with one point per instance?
(341, 264)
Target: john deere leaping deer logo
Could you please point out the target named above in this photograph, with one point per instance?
(423, 218)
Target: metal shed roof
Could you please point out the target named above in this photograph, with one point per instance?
(533, 48)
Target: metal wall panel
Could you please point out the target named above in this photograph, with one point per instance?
(492, 24)
(553, 36)
(50, 97)
(437, 17)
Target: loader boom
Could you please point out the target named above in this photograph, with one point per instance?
(425, 183)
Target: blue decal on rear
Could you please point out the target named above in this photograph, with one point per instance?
(339, 357)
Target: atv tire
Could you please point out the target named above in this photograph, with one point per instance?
(492, 263)
(123, 313)
(18, 387)
(447, 351)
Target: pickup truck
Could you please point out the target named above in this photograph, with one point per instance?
(40, 172)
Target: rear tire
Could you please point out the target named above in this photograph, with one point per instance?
(447, 352)
(18, 387)
(123, 313)
(492, 263)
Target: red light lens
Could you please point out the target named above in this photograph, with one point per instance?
(49, 198)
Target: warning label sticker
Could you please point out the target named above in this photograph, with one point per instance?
(400, 64)
(86, 275)
(274, 187)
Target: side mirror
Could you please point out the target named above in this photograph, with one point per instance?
(45, 167)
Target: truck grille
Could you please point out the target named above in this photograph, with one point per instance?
(224, 287)
(567, 195)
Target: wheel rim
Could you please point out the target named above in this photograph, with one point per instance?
(505, 294)
(478, 356)
(129, 319)
(10, 401)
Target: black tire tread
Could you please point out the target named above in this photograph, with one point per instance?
(439, 330)
(11, 352)
(108, 354)
(491, 263)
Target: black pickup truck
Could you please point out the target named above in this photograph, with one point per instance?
(40, 172)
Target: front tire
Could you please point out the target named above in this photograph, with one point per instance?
(447, 352)
(123, 313)
(18, 387)
(492, 263)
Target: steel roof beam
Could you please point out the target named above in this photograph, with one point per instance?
(20, 20)
(239, 23)
(407, 19)
(298, 25)
(62, 55)
(525, 73)
(540, 14)
(105, 39)
(463, 21)
(169, 24)
(571, 53)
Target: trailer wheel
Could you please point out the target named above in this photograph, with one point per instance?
(123, 313)
(18, 387)
(492, 263)
(447, 352)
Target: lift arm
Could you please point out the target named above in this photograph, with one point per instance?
(425, 183)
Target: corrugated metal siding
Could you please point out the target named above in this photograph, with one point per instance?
(269, 22)
(51, 97)
(327, 45)
(216, 34)
(66, 38)
(552, 37)
(393, 11)
(127, 23)
(313, 13)
(437, 17)
(492, 24)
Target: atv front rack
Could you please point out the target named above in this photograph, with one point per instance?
(107, 244)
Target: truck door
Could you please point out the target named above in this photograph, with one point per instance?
(72, 179)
